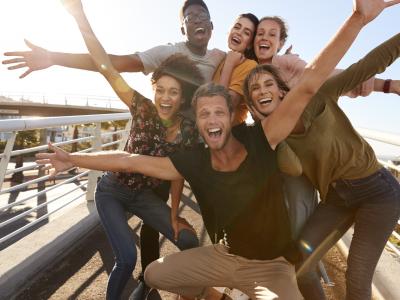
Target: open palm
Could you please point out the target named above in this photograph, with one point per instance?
(370, 9)
(59, 160)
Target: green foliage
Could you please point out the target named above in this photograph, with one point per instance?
(27, 139)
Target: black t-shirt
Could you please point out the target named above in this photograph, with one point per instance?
(246, 204)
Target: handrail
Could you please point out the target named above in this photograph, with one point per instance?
(95, 137)
(31, 123)
(60, 198)
(380, 136)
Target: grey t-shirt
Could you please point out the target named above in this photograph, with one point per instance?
(207, 63)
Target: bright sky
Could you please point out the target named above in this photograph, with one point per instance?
(126, 26)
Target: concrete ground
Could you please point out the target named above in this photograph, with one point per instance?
(83, 274)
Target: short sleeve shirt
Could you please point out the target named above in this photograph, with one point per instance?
(245, 204)
(207, 63)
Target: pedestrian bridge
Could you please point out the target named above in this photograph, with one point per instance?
(51, 244)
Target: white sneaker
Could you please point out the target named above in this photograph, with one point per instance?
(238, 295)
(234, 294)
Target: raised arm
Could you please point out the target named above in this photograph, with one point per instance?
(98, 54)
(375, 62)
(115, 161)
(289, 111)
(38, 58)
(232, 60)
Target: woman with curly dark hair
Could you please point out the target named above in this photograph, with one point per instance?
(158, 129)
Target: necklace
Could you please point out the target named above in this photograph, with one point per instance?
(167, 123)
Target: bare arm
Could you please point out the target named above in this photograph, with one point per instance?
(232, 60)
(38, 58)
(98, 54)
(122, 63)
(115, 161)
(176, 194)
(316, 72)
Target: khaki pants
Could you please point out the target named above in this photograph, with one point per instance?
(190, 272)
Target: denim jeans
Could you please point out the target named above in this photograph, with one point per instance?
(301, 199)
(372, 204)
(113, 200)
(149, 238)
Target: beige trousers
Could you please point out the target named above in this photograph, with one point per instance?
(190, 272)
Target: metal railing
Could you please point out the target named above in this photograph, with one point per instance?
(96, 144)
(64, 99)
(97, 141)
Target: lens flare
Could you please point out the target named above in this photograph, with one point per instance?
(306, 246)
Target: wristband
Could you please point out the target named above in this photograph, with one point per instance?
(386, 86)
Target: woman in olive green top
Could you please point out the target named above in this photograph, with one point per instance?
(353, 186)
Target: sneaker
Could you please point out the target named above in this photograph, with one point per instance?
(238, 295)
(141, 291)
(233, 294)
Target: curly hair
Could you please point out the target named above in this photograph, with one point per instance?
(262, 69)
(185, 71)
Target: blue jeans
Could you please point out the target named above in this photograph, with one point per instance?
(113, 200)
(372, 204)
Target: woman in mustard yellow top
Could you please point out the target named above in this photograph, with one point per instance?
(239, 61)
(353, 186)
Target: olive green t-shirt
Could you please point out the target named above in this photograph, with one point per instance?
(330, 148)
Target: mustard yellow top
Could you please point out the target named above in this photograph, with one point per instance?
(236, 84)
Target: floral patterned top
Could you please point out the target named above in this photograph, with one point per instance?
(147, 137)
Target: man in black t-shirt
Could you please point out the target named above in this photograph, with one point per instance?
(236, 182)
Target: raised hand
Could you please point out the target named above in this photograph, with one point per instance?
(36, 59)
(289, 50)
(59, 160)
(370, 9)
(73, 7)
(234, 58)
(179, 223)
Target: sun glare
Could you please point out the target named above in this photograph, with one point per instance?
(44, 22)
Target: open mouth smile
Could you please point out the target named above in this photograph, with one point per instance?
(200, 30)
(265, 101)
(264, 47)
(235, 40)
(165, 107)
(214, 132)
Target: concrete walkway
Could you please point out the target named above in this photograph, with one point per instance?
(83, 273)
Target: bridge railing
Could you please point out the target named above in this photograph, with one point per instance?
(96, 144)
(85, 180)
(65, 99)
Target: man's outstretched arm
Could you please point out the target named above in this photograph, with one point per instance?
(38, 58)
(115, 161)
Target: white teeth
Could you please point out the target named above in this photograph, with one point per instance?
(199, 30)
(262, 46)
(236, 40)
(212, 130)
(165, 105)
(265, 101)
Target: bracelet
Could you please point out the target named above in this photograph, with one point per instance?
(386, 86)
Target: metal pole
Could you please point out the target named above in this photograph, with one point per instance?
(93, 175)
(6, 157)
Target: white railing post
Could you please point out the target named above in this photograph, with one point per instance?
(93, 175)
(6, 157)
(125, 135)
